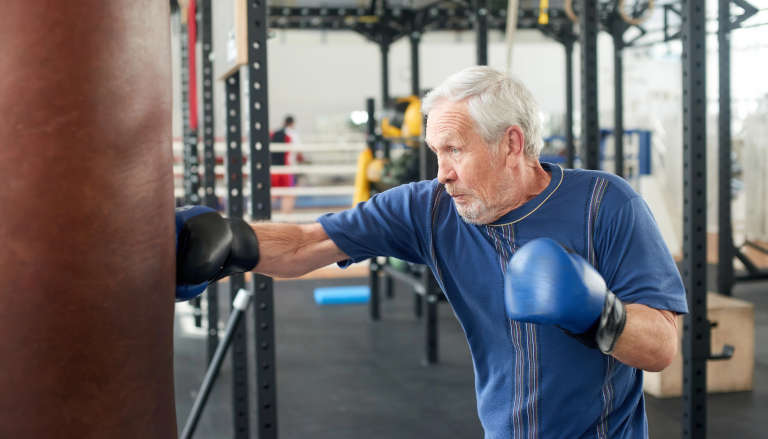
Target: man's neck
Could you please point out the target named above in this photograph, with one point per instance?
(532, 180)
(539, 179)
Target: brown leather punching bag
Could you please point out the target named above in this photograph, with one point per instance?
(86, 220)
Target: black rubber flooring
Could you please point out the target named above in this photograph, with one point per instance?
(340, 375)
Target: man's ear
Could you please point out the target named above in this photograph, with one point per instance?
(513, 143)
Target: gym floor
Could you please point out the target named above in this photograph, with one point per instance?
(340, 376)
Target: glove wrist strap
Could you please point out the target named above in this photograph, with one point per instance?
(606, 330)
(611, 324)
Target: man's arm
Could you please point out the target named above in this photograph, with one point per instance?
(634, 256)
(291, 250)
(545, 284)
(210, 247)
(649, 340)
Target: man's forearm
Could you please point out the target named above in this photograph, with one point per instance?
(649, 340)
(291, 250)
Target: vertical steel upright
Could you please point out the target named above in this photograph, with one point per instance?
(191, 179)
(432, 295)
(415, 39)
(590, 130)
(264, 314)
(618, 27)
(384, 47)
(236, 282)
(569, 144)
(373, 305)
(427, 170)
(209, 161)
(189, 136)
(696, 340)
(184, 52)
(481, 27)
(725, 233)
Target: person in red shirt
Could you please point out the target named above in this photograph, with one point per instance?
(284, 158)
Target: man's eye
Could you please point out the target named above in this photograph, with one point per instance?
(454, 150)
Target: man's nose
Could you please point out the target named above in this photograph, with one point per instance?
(445, 173)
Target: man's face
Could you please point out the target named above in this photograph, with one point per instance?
(472, 174)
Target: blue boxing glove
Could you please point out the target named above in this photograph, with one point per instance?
(210, 247)
(545, 284)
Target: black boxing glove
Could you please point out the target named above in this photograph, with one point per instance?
(210, 247)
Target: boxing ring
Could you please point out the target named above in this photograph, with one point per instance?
(325, 180)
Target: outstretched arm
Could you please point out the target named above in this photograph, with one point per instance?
(291, 250)
(210, 247)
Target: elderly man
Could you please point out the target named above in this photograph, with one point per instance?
(560, 278)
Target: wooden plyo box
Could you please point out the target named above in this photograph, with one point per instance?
(735, 325)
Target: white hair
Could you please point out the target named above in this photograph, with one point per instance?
(495, 102)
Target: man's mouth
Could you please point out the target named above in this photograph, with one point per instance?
(457, 195)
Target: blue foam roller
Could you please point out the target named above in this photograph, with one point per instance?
(342, 295)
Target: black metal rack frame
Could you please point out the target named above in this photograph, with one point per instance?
(258, 128)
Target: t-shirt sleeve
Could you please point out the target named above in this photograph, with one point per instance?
(391, 223)
(635, 261)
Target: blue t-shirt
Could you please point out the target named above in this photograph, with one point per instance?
(532, 381)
